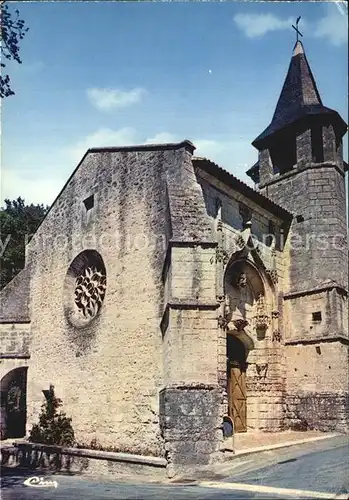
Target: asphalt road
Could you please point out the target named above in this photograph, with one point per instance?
(316, 470)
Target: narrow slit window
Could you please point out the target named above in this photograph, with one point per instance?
(317, 145)
(89, 202)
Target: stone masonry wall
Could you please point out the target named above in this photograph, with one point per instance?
(317, 386)
(109, 373)
(319, 242)
(232, 201)
(193, 413)
(190, 411)
(15, 339)
(301, 319)
(266, 370)
(190, 339)
(316, 304)
(7, 364)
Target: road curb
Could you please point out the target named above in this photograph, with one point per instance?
(213, 472)
(286, 444)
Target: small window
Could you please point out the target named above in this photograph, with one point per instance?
(300, 218)
(89, 202)
(317, 316)
(283, 154)
(318, 349)
(218, 206)
(245, 214)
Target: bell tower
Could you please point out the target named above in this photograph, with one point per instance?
(300, 167)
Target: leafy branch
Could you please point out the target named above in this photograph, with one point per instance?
(12, 31)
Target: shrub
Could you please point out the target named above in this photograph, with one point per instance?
(54, 427)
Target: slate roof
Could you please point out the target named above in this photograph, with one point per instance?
(299, 98)
(253, 172)
(14, 299)
(230, 180)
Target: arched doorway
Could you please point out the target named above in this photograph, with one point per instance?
(237, 397)
(13, 387)
(244, 292)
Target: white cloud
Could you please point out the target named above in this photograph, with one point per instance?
(255, 25)
(35, 177)
(107, 99)
(101, 138)
(208, 147)
(34, 189)
(334, 25)
(42, 185)
(163, 138)
(223, 152)
(235, 156)
(126, 136)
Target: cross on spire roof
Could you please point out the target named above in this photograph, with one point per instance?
(296, 28)
(299, 99)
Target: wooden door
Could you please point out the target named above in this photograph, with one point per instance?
(237, 398)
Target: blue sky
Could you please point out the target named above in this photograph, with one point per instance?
(109, 73)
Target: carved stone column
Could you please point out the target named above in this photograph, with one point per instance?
(221, 260)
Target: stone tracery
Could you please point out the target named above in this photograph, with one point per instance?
(262, 319)
(84, 288)
(89, 291)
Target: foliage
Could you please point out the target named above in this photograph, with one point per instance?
(17, 223)
(12, 32)
(53, 428)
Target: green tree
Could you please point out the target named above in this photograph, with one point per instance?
(12, 31)
(53, 427)
(18, 222)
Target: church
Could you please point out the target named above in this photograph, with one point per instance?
(170, 304)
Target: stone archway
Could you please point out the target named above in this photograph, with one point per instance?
(245, 311)
(13, 387)
(244, 289)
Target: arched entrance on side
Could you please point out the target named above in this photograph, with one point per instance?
(13, 387)
(244, 290)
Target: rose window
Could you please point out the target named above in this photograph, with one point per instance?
(90, 291)
(85, 288)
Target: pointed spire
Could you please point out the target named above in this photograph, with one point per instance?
(299, 96)
(298, 48)
(299, 87)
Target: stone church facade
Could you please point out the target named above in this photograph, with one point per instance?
(162, 296)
